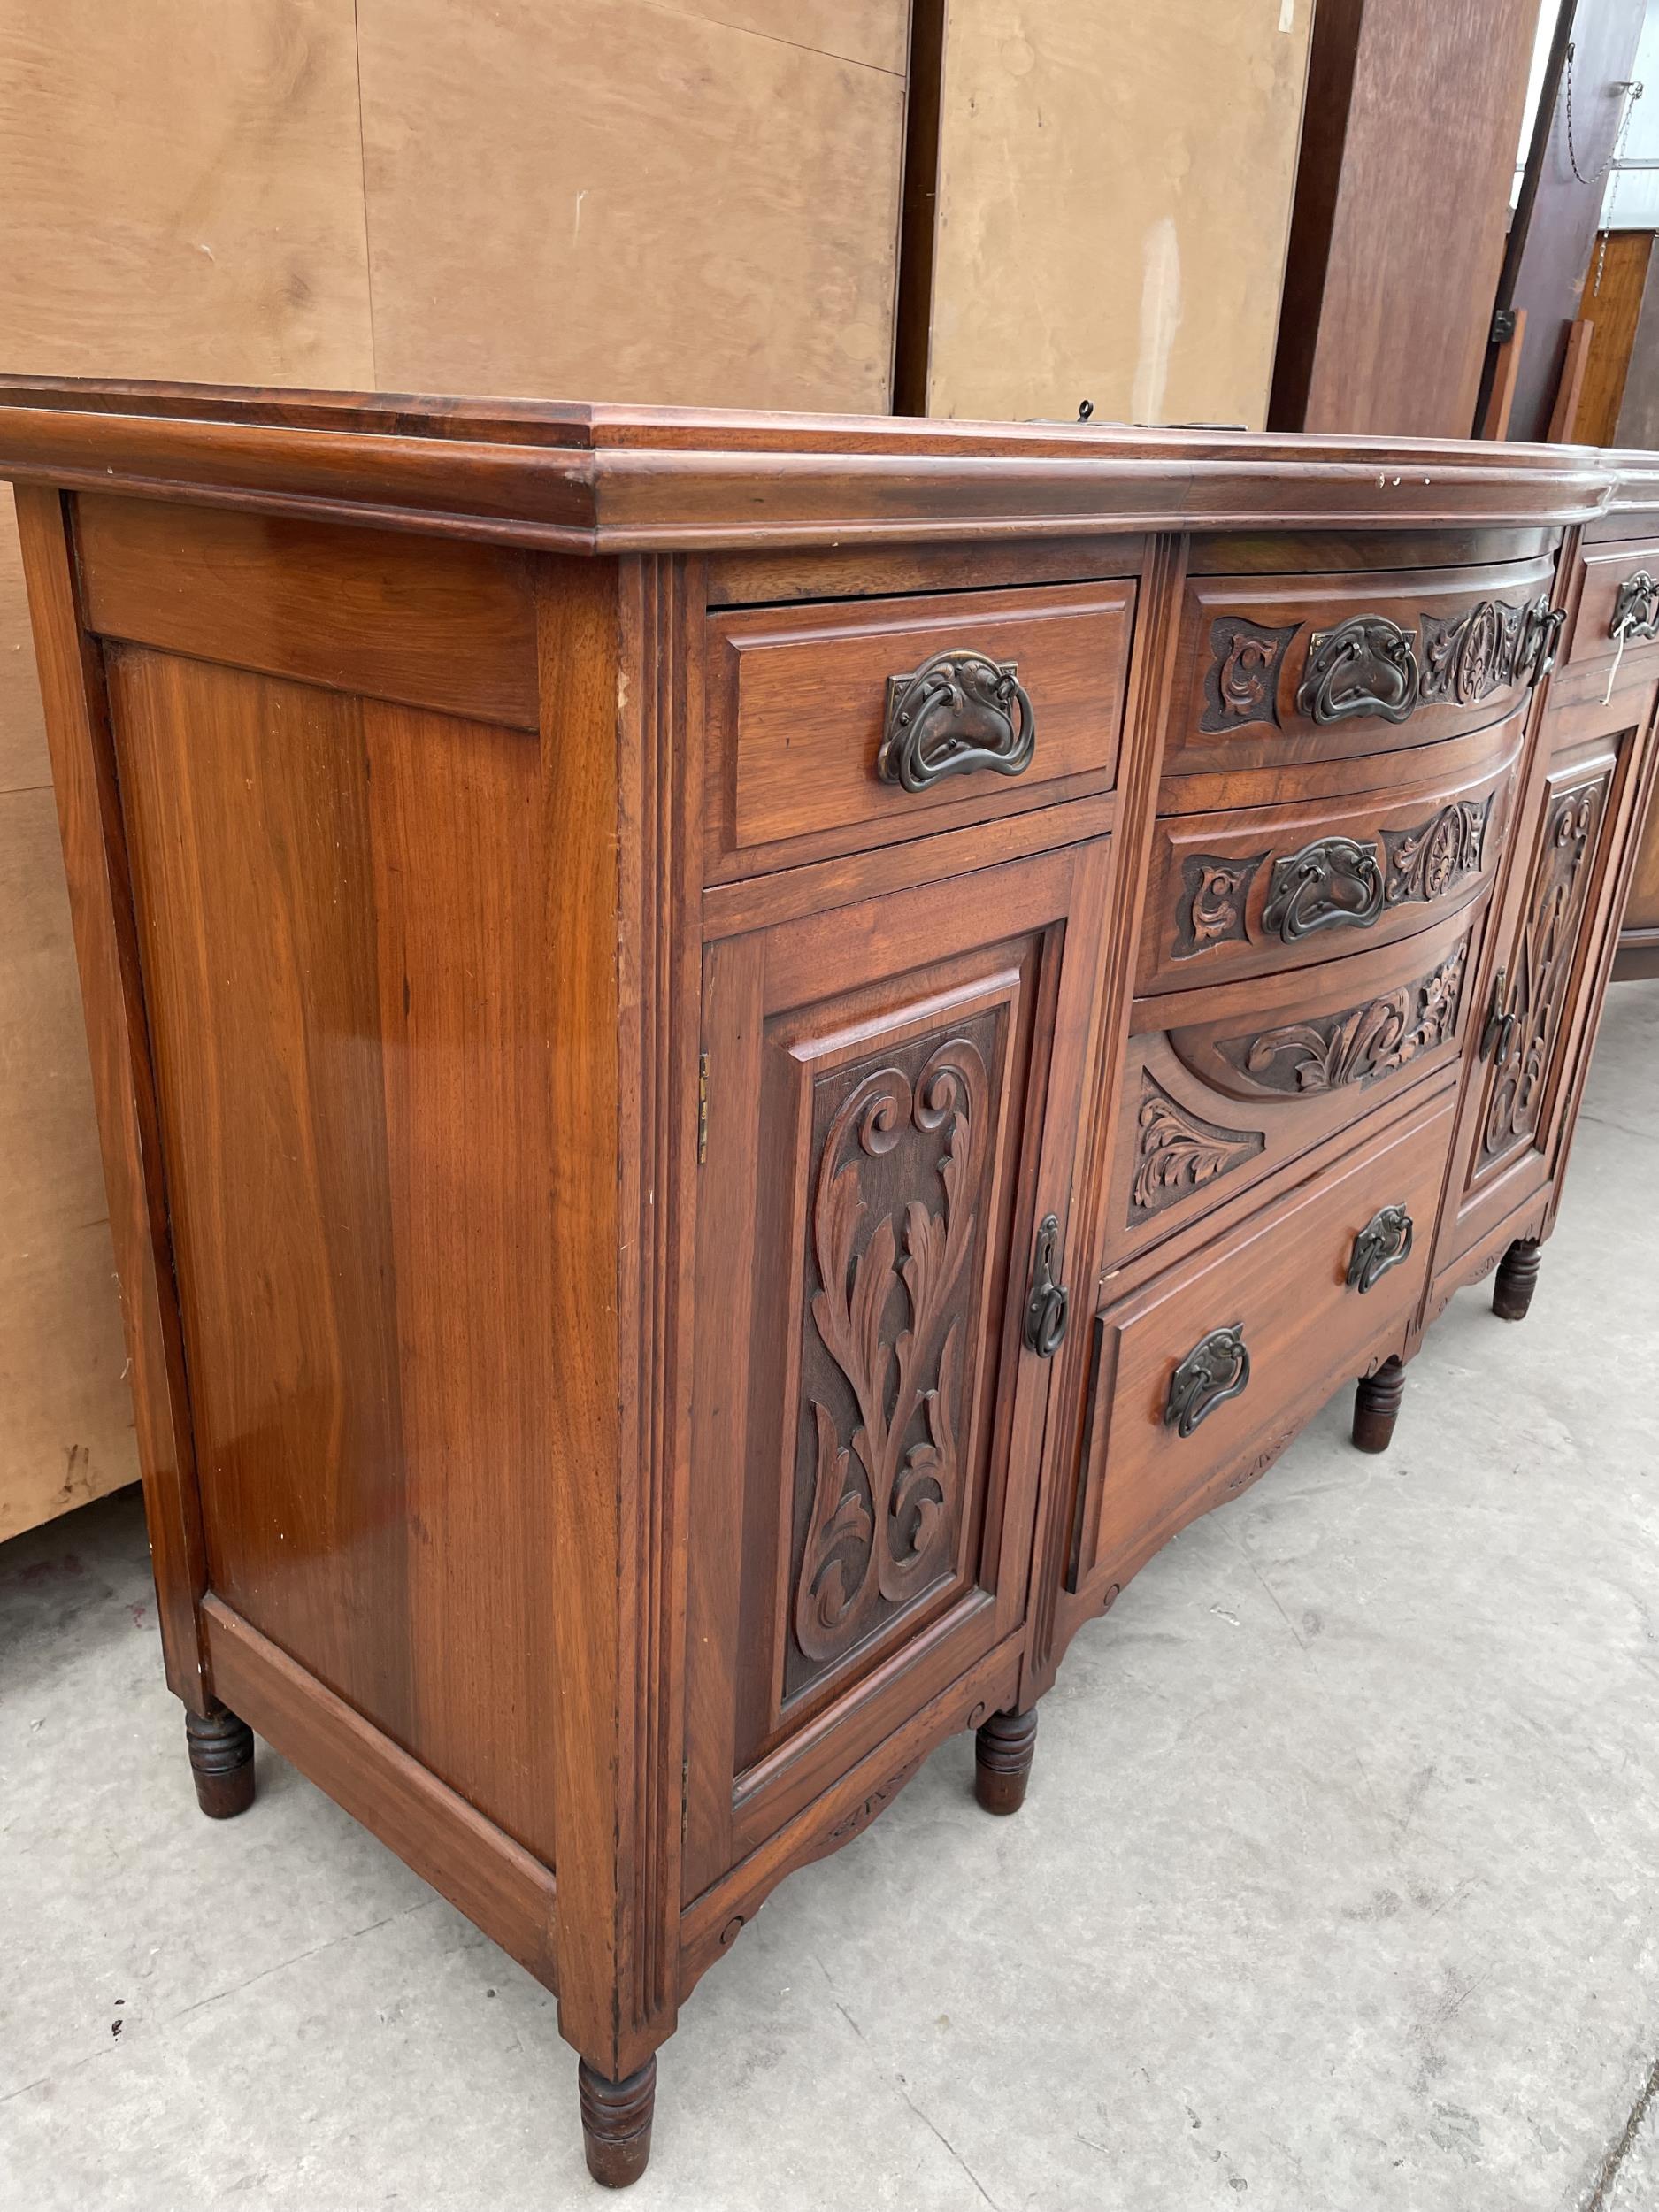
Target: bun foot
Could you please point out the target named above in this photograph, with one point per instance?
(617, 2123)
(1376, 1406)
(1002, 1753)
(1516, 1280)
(221, 1762)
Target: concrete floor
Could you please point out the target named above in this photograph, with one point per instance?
(1338, 1885)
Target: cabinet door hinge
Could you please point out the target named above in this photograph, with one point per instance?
(702, 1108)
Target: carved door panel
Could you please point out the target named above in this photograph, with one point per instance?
(894, 1096)
(1544, 981)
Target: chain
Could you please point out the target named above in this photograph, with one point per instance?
(1630, 91)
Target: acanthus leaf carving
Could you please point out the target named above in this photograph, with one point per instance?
(1359, 1044)
(1178, 1152)
(886, 1503)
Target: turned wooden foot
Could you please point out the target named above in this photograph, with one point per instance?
(1516, 1280)
(221, 1762)
(617, 2123)
(1002, 1750)
(1377, 1405)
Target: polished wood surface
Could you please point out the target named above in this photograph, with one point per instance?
(1397, 229)
(667, 1269)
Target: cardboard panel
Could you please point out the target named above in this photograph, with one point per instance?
(65, 1417)
(180, 191)
(621, 201)
(1115, 188)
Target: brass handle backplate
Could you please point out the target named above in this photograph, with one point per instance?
(1635, 609)
(1365, 665)
(957, 714)
(1384, 1242)
(1217, 1368)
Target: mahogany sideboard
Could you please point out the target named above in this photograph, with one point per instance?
(741, 1057)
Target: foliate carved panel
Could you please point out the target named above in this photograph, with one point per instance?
(1241, 682)
(1556, 903)
(898, 1238)
(1427, 862)
(1370, 664)
(1178, 1152)
(1357, 1045)
(1347, 882)
(1210, 907)
(1469, 658)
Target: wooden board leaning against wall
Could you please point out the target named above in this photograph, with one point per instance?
(1111, 195)
(367, 193)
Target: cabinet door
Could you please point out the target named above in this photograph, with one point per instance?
(1545, 982)
(894, 1095)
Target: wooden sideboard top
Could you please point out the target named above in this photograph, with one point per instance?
(580, 477)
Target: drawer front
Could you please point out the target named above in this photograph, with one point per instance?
(1224, 1087)
(1617, 604)
(1277, 670)
(1245, 892)
(835, 728)
(1200, 1377)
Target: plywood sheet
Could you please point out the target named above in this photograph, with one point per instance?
(871, 31)
(1115, 187)
(1613, 292)
(23, 762)
(181, 191)
(65, 1418)
(627, 201)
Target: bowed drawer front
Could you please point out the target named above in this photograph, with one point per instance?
(1225, 1085)
(1277, 670)
(835, 728)
(1248, 891)
(1198, 1378)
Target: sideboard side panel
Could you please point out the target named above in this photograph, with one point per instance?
(106, 947)
(340, 906)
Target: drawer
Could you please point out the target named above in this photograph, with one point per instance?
(1251, 890)
(1200, 1377)
(1226, 1085)
(1617, 600)
(1277, 670)
(834, 728)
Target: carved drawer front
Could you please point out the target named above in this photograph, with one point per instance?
(834, 728)
(1248, 891)
(1275, 671)
(1617, 607)
(1224, 1086)
(1199, 1376)
(883, 1282)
